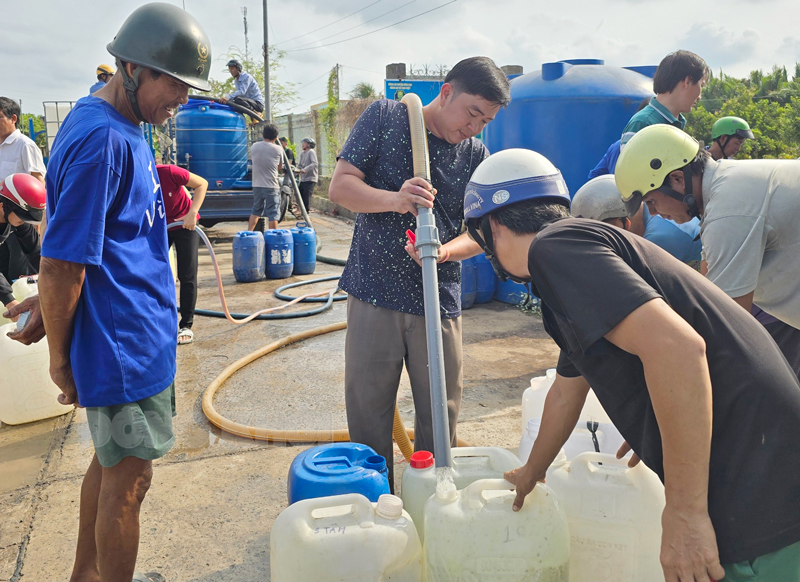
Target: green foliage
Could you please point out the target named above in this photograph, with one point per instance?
(363, 91)
(769, 102)
(282, 95)
(38, 125)
(328, 116)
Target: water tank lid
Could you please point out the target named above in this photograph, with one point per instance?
(389, 506)
(375, 462)
(198, 103)
(584, 61)
(556, 70)
(421, 460)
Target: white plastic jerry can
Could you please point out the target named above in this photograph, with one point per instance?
(581, 440)
(26, 391)
(469, 465)
(345, 538)
(474, 535)
(21, 288)
(614, 517)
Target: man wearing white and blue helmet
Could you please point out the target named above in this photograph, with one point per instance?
(695, 385)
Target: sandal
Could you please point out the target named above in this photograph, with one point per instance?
(185, 336)
(149, 577)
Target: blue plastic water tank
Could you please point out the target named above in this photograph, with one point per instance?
(248, 256)
(279, 251)
(215, 138)
(336, 469)
(305, 249)
(510, 292)
(486, 280)
(570, 112)
(469, 283)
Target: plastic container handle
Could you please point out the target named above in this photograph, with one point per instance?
(362, 507)
(475, 490)
(580, 464)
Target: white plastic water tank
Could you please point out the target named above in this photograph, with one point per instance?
(26, 391)
(608, 437)
(614, 515)
(469, 465)
(345, 537)
(474, 535)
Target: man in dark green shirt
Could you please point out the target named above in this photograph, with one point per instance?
(678, 83)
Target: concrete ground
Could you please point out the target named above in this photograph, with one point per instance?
(208, 515)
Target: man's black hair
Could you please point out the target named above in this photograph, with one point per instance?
(700, 161)
(675, 67)
(283, 140)
(480, 76)
(529, 216)
(9, 107)
(270, 131)
(644, 103)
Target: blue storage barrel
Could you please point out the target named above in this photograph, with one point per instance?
(214, 137)
(336, 469)
(469, 283)
(248, 256)
(305, 249)
(486, 280)
(279, 251)
(570, 112)
(510, 292)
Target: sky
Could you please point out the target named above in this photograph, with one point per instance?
(50, 48)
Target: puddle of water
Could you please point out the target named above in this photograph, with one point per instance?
(21, 462)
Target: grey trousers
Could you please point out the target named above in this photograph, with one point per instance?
(379, 341)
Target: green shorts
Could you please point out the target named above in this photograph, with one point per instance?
(140, 429)
(780, 566)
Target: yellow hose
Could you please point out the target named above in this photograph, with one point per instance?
(402, 436)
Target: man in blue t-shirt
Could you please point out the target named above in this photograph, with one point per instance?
(385, 311)
(106, 289)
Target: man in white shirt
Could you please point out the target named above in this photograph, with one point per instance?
(18, 152)
(750, 210)
(267, 159)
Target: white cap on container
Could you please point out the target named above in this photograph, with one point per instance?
(389, 506)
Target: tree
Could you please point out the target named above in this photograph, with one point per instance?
(282, 95)
(38, 125)
(363, 91)
(770, 103)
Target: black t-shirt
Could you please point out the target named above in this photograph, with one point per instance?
(19, 256)
(378, 269)
(590, 276)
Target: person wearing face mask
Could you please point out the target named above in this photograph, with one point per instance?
(385, 312)
(749, 211)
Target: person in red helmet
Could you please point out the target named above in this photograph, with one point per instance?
(22, 200)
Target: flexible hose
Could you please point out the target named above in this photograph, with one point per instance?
(402, 436)
(235, 106)
(264, 313)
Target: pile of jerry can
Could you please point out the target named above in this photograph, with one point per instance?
(594, 519)
(342, 523)
(274, 254)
